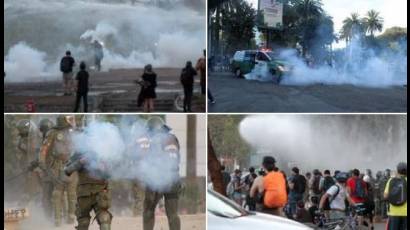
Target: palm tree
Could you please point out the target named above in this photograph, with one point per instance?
(373, 22)
(310, 12)
(309, 8)
(351, 25)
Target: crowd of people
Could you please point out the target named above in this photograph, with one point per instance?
(147, 81)
(316, 197)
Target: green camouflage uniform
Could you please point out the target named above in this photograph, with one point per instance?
(138, 193)
(47, 183)
(93, 193)
(54, 154)
(169, 145)
(27, 147)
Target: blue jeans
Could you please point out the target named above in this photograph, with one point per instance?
(294, 199)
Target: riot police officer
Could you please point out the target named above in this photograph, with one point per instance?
(46, 125)
(159, 140)
(54, 154)
(27, 147)
(93, 192)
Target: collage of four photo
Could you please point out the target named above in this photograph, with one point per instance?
(205, 114)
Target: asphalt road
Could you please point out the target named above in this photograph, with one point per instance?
(243, 96)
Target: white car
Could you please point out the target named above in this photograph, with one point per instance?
(224, 214)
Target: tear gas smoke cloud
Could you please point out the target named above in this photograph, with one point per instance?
(361, 67)
(24, 63)
(116, 147)
(132, 35)
(328, 142)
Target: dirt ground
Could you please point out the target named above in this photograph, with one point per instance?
(240, 95)
(48, 95)
(188, 222)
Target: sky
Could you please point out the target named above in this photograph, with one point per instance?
(394, 12)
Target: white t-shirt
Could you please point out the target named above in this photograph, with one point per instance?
(338, 201)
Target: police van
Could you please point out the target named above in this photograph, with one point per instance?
(245, 61)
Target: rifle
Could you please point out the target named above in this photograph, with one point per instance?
(16, 176)
(34, 164)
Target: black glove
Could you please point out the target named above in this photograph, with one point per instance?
(33, 165)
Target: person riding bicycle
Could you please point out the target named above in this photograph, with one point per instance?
(336, 195)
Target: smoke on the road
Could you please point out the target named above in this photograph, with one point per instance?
(361, 69)
(329, 142)
(133, 35)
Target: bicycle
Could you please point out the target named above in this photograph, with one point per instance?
(349, 222)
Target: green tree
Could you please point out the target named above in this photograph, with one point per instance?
(226, 139)
(373, 22)
(351, 26)
(238, 22)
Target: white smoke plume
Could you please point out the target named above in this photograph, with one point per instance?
(360, 67)
(133, 35)
(113, 149)
(327, 142)
(23, 63)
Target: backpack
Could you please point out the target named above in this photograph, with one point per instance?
(65, 65)
(330, 199)
(315, 185)
(359, 190)
(275, 190)
(397, 191)
(327, 183)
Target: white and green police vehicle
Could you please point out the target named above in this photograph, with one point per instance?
(245, 61)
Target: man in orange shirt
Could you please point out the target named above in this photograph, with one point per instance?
(274, 184)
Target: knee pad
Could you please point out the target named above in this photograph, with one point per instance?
(104, 217)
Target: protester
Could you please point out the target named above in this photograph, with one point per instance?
(274, 183)
(66, 67)
(237, 187)
(370, 200)
(201, 67)
(357, 191)
(297, 186)
(384, 204)
(82, 87)
(396, 194)
(210, 97)
(149, 83)
(187, 80)
(248, 181)
(337, 196)
(226, 178)
(257, 191)
(314, 183)
(98, 55)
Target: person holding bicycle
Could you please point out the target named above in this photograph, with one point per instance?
(357, 190)
(336, 196)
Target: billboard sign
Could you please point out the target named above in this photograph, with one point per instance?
(272, 13)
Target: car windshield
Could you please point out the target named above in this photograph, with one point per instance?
(221, 206)
(272, 55)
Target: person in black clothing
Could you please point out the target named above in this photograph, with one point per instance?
(82, 87)
(297, 187)
(149, 83)
(66, 67)
(187, 80)
(249, 179)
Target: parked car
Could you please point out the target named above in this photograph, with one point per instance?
(224, 214)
